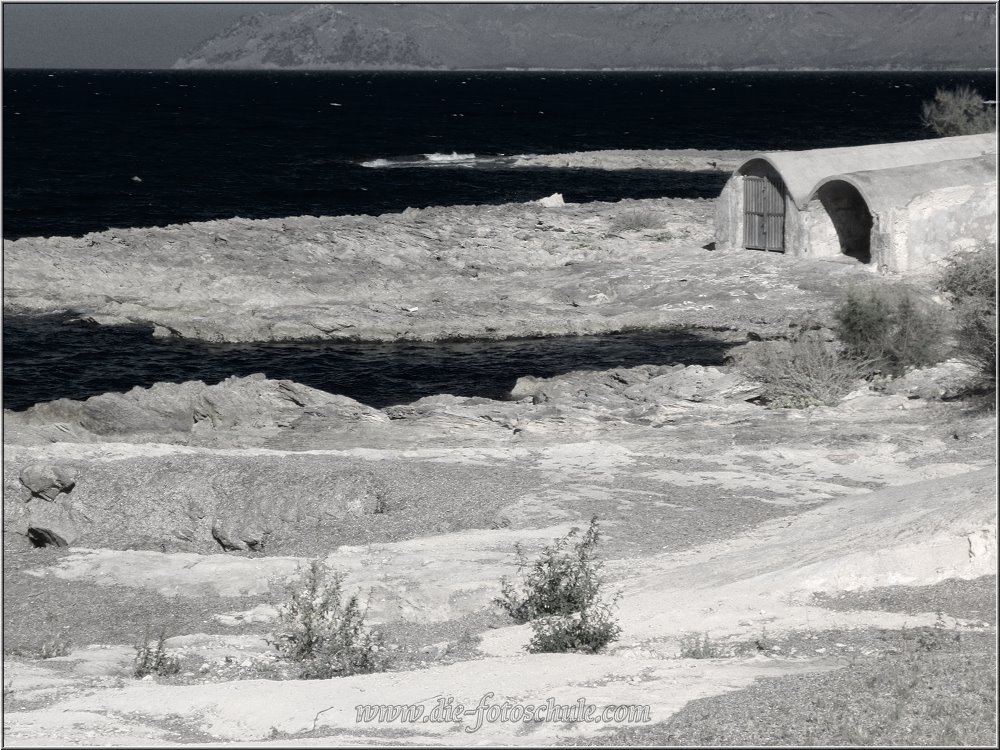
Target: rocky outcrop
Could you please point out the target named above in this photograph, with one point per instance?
(460, 272)
(47, 481)
(51, 519)
(945, 380)
(195, 502)
(686, 160)
(191, 412)
(646, 383)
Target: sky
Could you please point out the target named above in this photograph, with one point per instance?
(113, 35)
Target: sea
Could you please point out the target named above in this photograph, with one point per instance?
(89, 150)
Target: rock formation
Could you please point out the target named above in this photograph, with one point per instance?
(459, 272)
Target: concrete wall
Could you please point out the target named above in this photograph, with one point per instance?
(938, 223)
(895, 219)
(729, 215)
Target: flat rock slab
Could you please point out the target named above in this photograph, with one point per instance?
(254, 710)
(484, 272)
(931, 530)
(686, 160)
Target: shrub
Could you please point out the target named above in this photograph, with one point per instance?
(325, 635)
(806, 371)
(892, 327)
(57, 646)
(971, 274)
(636, 219)
(960, 111)
(694, 646)
(561, 595)
(154, 659)
(588, 631)
(970, 281)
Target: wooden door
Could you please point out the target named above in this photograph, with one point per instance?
(763, 215)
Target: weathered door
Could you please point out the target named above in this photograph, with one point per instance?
(763, 215)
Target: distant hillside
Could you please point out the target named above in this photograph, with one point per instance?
(919, 36)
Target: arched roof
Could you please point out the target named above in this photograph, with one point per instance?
(883, 189)
(802, 171)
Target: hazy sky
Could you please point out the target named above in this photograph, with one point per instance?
(113, 35)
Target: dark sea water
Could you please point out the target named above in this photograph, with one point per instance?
(88, 150)
(209, 145)
(45, 359)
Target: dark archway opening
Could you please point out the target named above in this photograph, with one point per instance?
(851, 218)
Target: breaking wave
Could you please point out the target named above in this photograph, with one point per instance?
(454, 159)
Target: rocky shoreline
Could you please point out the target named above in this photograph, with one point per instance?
(685, 160)
(194, 503)
(446, 273)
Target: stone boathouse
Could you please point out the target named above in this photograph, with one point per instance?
(895, 206)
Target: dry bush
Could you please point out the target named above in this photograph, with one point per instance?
(151, 657)
(806, 371)
(324, 634)
(57, 646)
(694, 646)
(960, 111)
(970, 282)
(892, 326)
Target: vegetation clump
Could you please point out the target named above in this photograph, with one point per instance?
(561, 596)
(55, 647)
(806, 371)
(960, 111)
(970, 282)
(151, 658)
(322, 632)
(695, 646)
(892, 327)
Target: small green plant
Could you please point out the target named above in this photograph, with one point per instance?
(561, 595)
(694, 646)
(892, 327)
(970, 282)
(587, 631)
(324, 634)
(151, 658)
(806, 371)
(933, 637)
(960, 111)
(54, 647)
(636, 219)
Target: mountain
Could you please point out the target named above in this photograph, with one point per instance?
(608, 35)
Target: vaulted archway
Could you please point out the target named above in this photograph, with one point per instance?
(850, 217)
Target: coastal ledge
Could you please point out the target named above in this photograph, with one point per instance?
(681, 160)
(440, 273)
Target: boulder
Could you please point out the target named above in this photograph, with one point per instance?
(945, 380)
(694, 383)
(47, 481)
(52, 524)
